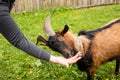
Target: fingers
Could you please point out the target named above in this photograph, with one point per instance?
(63, 61)
(71, 61)
(67, 65)
(75, 58)
(77, 55)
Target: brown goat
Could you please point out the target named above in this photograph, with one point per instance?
(97, 46)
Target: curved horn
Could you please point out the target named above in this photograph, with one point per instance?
(47, 27)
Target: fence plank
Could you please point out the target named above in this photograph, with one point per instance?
(28, 5)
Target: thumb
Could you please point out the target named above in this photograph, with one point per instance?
(67, 65)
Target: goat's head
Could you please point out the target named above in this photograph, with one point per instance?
(59, 41)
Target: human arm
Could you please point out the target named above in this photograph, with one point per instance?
(12, 33)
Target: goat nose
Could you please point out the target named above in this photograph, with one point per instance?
(73, 52)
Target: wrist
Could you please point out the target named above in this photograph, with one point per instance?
(53, 59)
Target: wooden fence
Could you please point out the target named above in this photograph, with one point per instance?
(28, 5)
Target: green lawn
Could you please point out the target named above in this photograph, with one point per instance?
(16, 65)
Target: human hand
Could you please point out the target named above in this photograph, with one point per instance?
(63, 61)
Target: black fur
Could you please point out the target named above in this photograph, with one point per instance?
(85, 62)
(90, 34)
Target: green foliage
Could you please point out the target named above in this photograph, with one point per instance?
(15, 65)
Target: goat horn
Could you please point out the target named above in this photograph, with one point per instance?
(47, 27)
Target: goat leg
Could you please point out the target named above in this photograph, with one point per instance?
(90, 74)
(117, 65)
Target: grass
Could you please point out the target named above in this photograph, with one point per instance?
(16, 65)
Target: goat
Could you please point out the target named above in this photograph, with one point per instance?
(96, 46)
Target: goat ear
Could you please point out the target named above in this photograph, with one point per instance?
(40, 38)
(66, 28)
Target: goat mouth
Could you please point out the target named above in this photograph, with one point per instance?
(69, 54)
(73, 52)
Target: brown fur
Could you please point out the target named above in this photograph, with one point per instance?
(104, 46)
